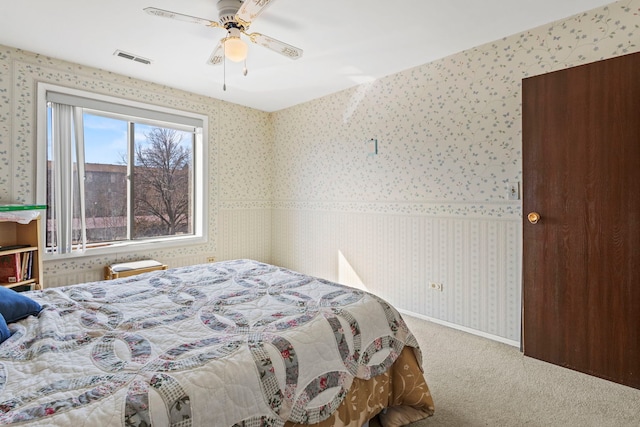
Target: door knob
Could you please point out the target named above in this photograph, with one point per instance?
(533, 217)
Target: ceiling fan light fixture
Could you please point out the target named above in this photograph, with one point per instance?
(235, 49)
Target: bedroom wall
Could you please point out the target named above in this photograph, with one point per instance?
(239, 162)
(432, 205)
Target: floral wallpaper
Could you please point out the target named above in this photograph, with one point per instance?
(448, 131)
(251, 145)
(5, 126)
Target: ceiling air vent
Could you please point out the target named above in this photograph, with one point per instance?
(132, 57)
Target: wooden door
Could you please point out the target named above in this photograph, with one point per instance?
(581, 172)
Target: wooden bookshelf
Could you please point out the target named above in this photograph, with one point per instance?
(13, 233)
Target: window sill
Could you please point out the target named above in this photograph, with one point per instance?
(129, 247)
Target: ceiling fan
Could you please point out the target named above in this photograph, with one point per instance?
(234, 16)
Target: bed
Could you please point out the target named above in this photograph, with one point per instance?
(235, 343)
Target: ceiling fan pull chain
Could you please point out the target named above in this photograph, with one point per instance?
(224, 69)
(244, 70)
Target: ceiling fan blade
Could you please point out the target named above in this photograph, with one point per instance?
(217, 56)
(181, 17)
(250, 9)
(276, 45)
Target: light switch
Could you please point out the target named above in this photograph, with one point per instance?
(514, 190)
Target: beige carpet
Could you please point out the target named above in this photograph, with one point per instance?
(479, 382)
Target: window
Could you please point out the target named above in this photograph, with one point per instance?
(118, 174)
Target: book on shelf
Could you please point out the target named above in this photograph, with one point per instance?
(24, 265)
(30, 267)
(16, 267)
(10, 268)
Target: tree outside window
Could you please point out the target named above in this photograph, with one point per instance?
(162, 183)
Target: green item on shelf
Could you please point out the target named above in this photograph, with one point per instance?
(17, 207)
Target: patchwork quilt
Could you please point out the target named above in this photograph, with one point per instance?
(237, 343)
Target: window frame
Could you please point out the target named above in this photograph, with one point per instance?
(201, 178)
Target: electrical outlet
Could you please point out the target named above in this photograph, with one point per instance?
(211, 259)
(435, 286)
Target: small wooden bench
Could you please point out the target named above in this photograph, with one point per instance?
(126, 269)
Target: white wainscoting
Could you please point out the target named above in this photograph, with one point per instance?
(244, 233)
(72, 277)
(477, 261)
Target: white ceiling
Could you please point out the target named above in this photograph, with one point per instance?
(345, 42)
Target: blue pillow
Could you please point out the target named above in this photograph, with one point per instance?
(4, 330)
(14, 306)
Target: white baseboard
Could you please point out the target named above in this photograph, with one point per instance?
(463, 328)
